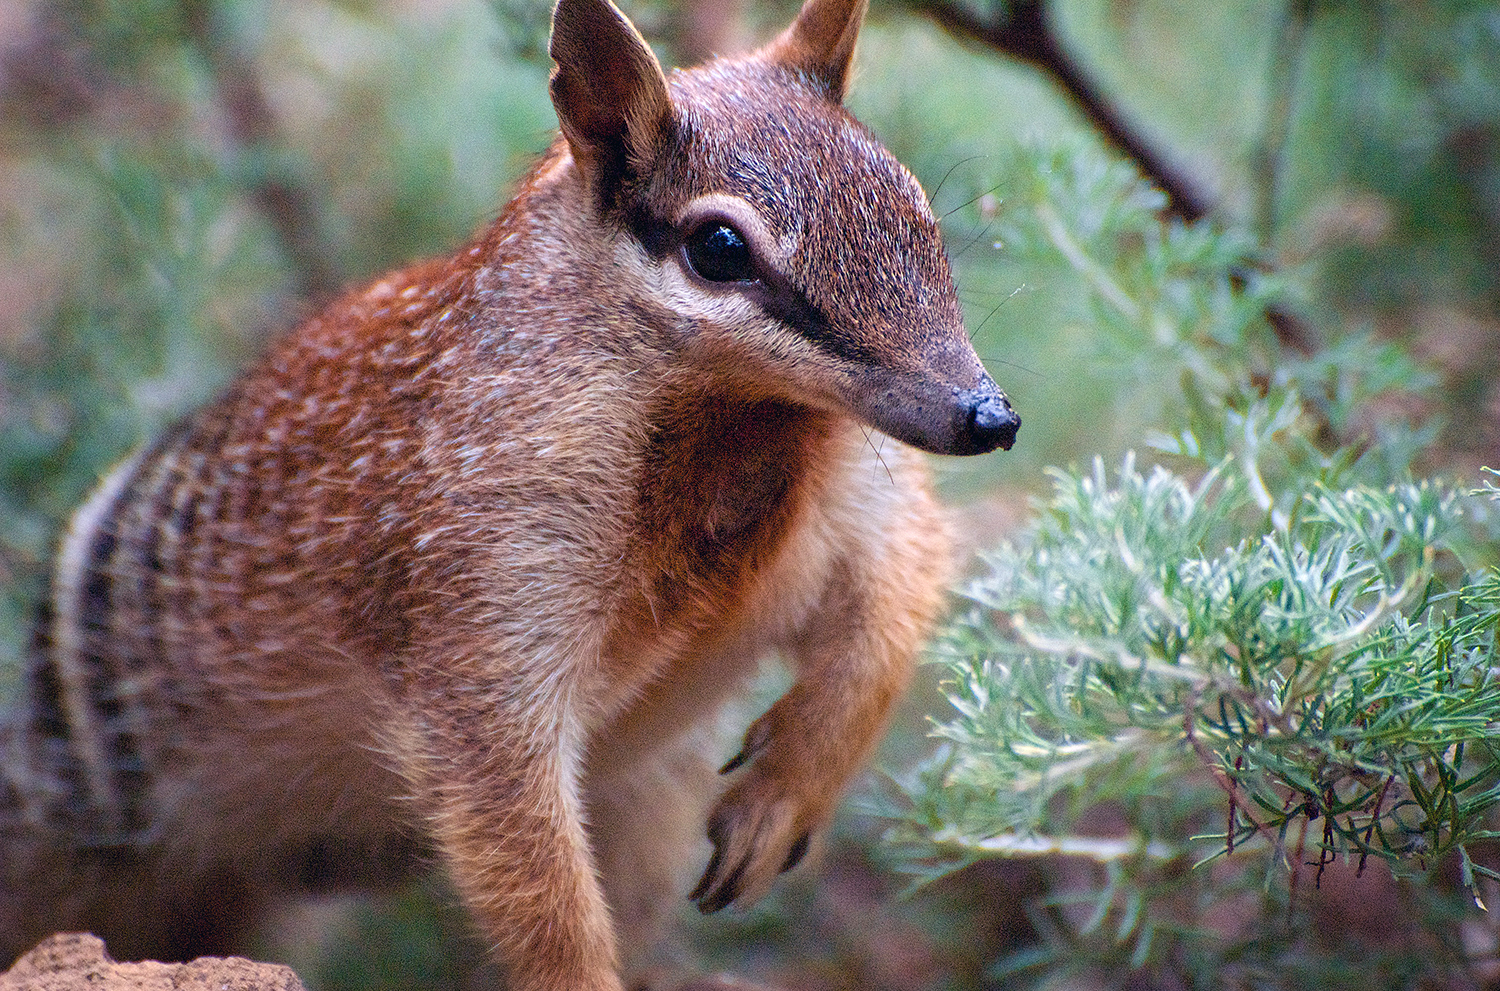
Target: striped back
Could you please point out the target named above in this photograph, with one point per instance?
(108, 639)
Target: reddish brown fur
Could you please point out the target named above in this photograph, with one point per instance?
(469, 559)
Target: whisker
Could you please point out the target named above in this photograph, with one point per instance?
(969, 202)
(879, 456)
(990, 360)
(946, 175)
(996, 309)
(977, 238)
(993, 310)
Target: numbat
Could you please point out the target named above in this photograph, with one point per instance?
(459, 570)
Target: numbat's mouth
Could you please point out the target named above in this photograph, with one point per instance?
(991, 422)
(941, 419)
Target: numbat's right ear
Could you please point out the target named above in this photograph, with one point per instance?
(608, 89)
(820, 43)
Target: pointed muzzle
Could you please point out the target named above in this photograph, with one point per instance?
(987, 421)
(938, 418)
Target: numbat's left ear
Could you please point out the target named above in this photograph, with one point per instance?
(608, 89)
(820, 43)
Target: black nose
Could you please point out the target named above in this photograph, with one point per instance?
(992, 423)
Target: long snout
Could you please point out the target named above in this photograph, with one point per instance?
(986, 421)
(940, 418)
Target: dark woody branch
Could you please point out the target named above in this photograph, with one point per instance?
(1022, 31)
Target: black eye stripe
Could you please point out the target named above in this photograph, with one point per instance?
(772, 291)
(791, 306)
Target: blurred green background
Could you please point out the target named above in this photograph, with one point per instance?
(180, 179)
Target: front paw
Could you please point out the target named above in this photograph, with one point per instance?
(758, 830)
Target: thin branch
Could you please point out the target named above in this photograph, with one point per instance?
(1225, 781)
(1023, 31)
(1094, 273)
(1271, 161)
(1364, 853)
(1101, 849)
(288, 206)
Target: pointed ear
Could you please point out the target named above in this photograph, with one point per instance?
(820, 42)
(608, 89)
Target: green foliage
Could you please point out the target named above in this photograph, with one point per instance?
(1166, 323)
(1394, 102)
(1136, 631)
(136, 343)
(152, 224)
(1273, 648)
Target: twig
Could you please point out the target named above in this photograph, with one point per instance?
(1239, 763)
(1325, 855)
(287, 206)
(1374, 819)
(1023, 32)
(1211, 761)
(1291, 895)
(1101, 849)
(1286, 71)
(1096, 274)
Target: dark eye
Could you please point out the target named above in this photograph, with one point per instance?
(718, 253)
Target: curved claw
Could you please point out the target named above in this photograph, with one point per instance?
(761, 826)
(718, 896)
(713, 892)
(736, 762)
(757, 737)
(797, 852)
(706, 881)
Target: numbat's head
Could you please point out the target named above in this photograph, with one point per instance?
(796, 254)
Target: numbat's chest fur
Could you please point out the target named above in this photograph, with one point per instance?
(461, 569)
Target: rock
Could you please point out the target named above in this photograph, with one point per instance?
(77, 961)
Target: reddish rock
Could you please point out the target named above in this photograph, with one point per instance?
(77, 961)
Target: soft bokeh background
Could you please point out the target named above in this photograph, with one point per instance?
(180, 179)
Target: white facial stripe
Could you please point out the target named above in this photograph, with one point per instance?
(688, 297)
